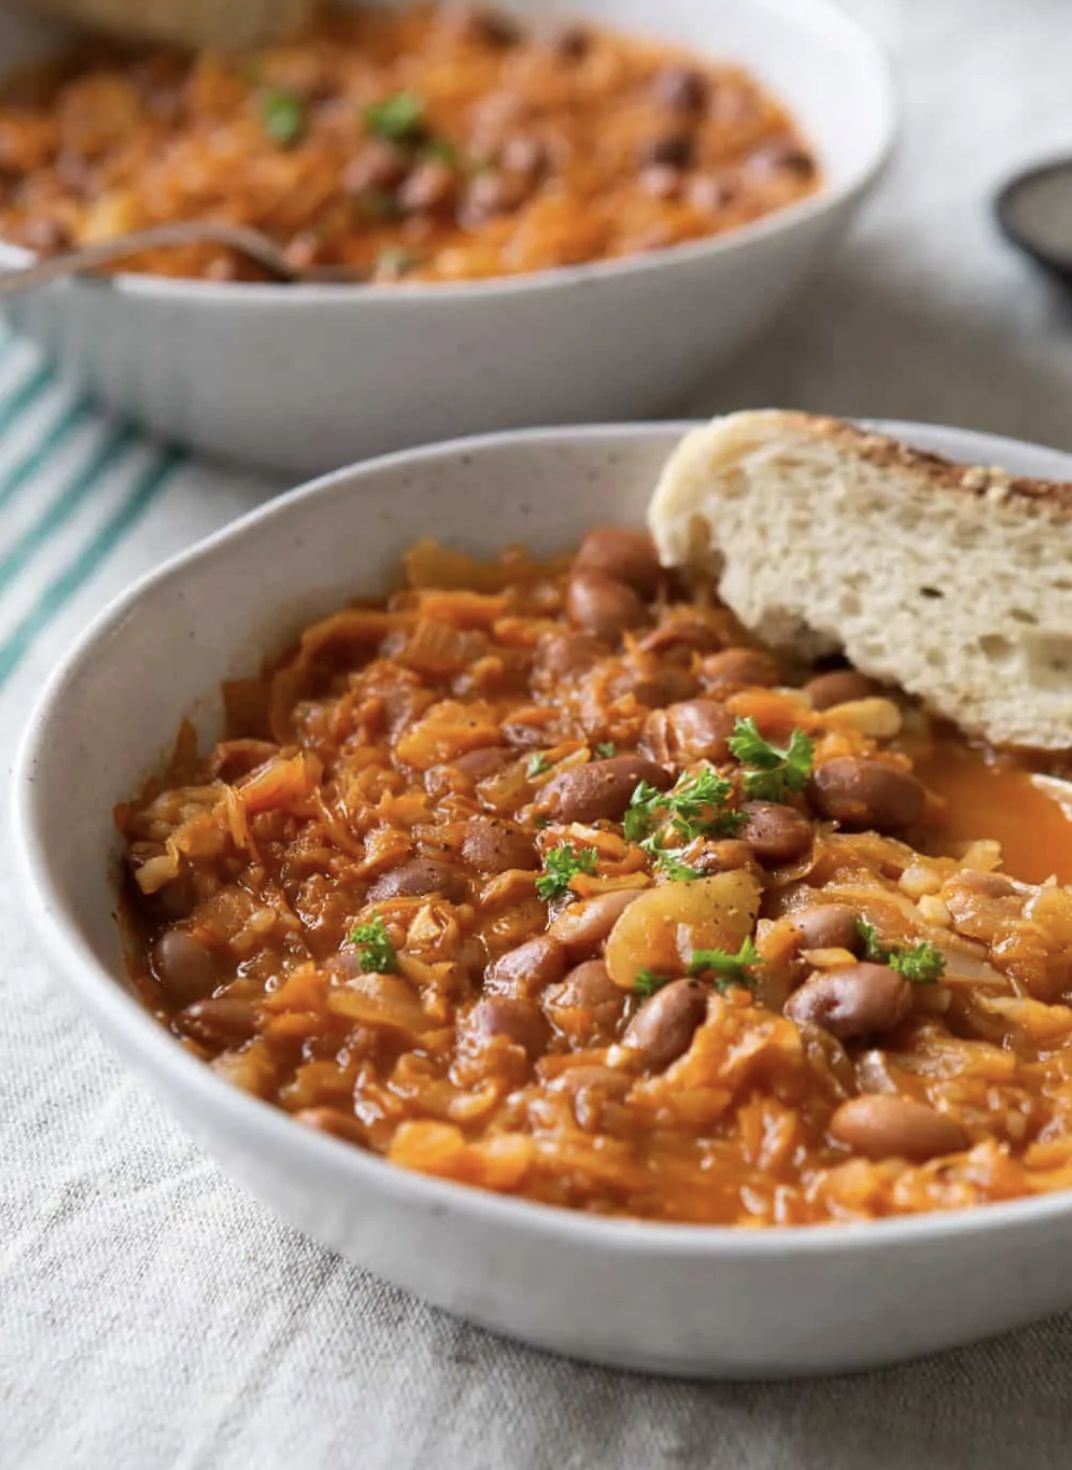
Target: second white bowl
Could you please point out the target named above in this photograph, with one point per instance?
(301, 379)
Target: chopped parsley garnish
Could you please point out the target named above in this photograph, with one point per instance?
(646, 982)
(729, 969)
(695, 808)
(606, 750)
(671, 860)
(396, 260)
(538, 765)
(373, 947)
(399, 118)
(282, 116)
(923, 964)
(772, 771)
(640, 817)
(561, 864)
(873, 950)
(443, 151)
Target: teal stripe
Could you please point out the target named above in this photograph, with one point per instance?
(50, 443)
(16, 404)
(85, 563)
(112, 448)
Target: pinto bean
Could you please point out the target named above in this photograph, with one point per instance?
(564, 655)
(724, 856)
(710, 192)
(739, 668)
(522, 736)
(489, 194)
(694, 729)
(379, 165)
(417, 877)
(584, 926)
(587, 1004)
(183, 966)
(600, 788)
(682, 89)
(676, 150)
(494, 846)
(626, 555)
(524, 154)
(664, 1026)
(862, 793)
(430, 187)
(603, 606)
(683, 634)
(861, 1000)
(529, 968)
(571, 43)
(839, 687)
(883, 1127)
(502, 1015)
(477, 764)
(487, 26)
(830, 926)
(782, 158)
(224, 1021)
(658, 687)
(660, 181)
(776, 833)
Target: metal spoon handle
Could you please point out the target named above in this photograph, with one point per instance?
(250, 243)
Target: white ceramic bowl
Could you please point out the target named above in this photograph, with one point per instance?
(302, 379)
(674, 1299)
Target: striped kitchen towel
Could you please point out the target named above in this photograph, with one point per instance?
(87, 504)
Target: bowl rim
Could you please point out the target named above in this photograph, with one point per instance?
(352, 1168)
(833, 19)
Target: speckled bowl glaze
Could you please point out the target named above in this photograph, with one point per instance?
(302, 379)
(705, 1301)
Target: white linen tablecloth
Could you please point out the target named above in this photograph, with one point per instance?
(151, 1314)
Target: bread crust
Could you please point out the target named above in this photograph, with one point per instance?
(1054, 496)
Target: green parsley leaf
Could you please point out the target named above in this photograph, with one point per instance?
(561, 864)
(443, 151)
(646, 982)
(396, 260)
(873, 950)
(538, 765)
(730, 969)
(694, 808)
(692, 796)
(373, 946)
(923, 965)
(670, 859)
(400, 118)
(282, 116)
(774, 771)
(640, 818)
(606, 750)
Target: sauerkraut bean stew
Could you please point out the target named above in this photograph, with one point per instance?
(432, 143)
(543, 877)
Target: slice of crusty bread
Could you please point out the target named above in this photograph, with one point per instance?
(953, 582)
